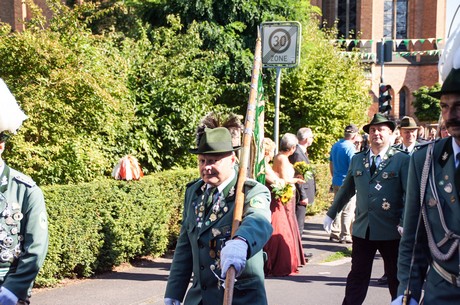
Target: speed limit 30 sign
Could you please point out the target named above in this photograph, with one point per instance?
(281, 43)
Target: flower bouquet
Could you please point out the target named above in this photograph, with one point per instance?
(282, 191)
(304, 169)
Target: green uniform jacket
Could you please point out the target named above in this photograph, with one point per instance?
(198, 248)
(379, 198)
(437, 290)
(23, 228)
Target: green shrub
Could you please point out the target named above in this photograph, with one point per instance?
(95, 226)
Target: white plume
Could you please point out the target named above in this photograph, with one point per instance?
(11, 116)
(450, 57)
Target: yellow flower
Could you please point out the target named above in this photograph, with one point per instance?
(282, 191)
(304, 169)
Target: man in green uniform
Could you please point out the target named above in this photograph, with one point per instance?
(378, 177)
(204, 246)
(23, 218)
(432, 225)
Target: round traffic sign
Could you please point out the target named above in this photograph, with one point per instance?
(279, 41)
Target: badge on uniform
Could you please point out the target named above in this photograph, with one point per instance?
(256, 203)
(386, 205)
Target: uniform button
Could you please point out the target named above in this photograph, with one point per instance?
(201, 267)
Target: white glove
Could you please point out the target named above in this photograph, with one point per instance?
(7, 297)
(327, 224)
(233, 254)
(398, 301)
(400, 230)
(169, 301)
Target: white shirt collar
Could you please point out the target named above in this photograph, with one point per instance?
(409, 148)
(381, 153)
(456, 150)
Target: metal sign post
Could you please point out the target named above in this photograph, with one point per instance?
(280, 49)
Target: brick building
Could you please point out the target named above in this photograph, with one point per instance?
(417, 29)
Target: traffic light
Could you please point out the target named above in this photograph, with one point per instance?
(384, 98)
(385, 53)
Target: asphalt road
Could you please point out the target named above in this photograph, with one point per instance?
(318, 283)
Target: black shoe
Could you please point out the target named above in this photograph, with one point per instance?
(308, 254)
(383, 280)
(334, 239)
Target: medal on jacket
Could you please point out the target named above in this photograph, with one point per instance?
(378, 186)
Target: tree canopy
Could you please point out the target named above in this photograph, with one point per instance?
(102, 80)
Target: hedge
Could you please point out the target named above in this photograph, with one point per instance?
(96, 226)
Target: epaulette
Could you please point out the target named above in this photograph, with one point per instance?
(250, 182)
(193, 182)
(25, 180)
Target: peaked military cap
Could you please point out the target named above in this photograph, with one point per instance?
(215, 141)
(379, 119)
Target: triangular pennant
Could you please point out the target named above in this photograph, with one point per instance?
(414, 41)
(406, 42)
(397, 42)
(422, 41)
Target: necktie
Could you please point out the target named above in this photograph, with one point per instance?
(373, 165)
(210, 197)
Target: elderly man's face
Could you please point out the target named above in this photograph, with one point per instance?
(216, 168)
(379, 135)
(409, 136)
(450, 110)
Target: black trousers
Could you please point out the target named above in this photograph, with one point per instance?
(362, 258)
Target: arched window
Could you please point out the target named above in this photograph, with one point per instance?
(395, 20)
(402, 102)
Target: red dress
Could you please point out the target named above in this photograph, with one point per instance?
(281, 249)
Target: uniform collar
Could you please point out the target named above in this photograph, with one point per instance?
(381, 153)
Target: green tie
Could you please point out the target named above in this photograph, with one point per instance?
(209, 199)
(373, 165)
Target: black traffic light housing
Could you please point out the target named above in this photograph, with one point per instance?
(387, 49)
(384, 98)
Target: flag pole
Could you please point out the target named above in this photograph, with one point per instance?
(244, 161)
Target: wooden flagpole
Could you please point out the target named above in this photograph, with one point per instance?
(244, 161)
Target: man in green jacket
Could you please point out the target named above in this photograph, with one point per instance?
(429, 253)
(23, 217)
(378, 177)
(204, 246)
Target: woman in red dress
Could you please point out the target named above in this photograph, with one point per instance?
(284, 249)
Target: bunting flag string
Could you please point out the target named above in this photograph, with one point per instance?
(372, 56)
(366, 42)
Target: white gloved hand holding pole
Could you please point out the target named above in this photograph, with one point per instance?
(169, 301)
(7, 297)
(398, 301)
(327, 224)
(234, 254)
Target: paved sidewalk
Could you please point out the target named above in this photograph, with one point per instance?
(317, 283)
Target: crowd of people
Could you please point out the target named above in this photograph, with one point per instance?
(394, 192)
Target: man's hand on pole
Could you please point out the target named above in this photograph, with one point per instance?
(233, 254)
